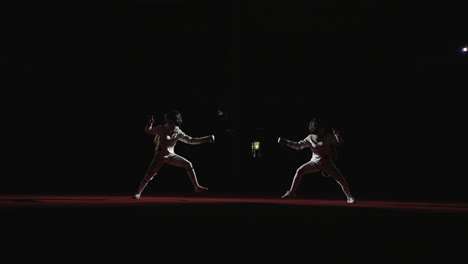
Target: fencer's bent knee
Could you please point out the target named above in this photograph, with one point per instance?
(299, 172)
(188, 165)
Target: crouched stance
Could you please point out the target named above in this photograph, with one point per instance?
(165, 139)
(322, 145)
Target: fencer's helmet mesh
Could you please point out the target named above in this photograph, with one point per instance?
(173, 116)
(314, 124)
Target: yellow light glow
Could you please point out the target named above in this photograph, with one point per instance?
(255, 145)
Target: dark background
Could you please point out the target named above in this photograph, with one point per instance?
(83, 78)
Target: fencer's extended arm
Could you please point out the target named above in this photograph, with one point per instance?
(197, 140)
(295, 145)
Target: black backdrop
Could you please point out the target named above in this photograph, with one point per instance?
(389, 76)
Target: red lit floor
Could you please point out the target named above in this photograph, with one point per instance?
(228, 229)
(155, 200)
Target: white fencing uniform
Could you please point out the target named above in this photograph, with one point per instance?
(165, 140)
(323, 154)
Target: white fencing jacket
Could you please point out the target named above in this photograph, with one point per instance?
(323, 150)
(165, 139)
